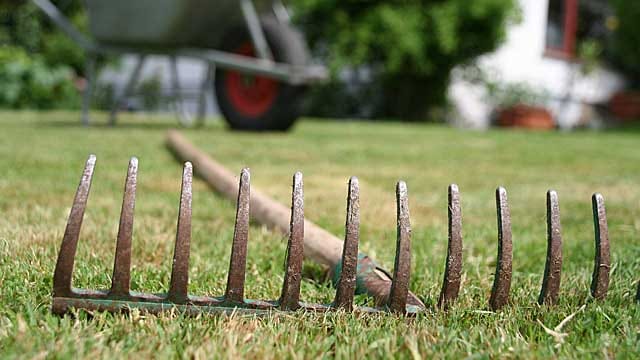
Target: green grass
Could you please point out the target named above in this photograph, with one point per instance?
(42, 155)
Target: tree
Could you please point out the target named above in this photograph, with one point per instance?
(626, 39)
(411, 45)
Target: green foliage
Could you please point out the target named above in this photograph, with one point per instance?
(627, 38)
(27, 81)
(23, 25)
(345, 101)
(103, 96)
(150, 90)
(412, 44)
(590, 52)
(59, 49)
(504, 95)
(38, 63)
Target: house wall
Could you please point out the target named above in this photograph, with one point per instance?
(522, 59)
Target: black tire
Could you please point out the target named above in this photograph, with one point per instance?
(280, 108)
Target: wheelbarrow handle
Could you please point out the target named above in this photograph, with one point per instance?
(58, 18)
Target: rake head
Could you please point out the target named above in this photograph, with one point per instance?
(120, 298)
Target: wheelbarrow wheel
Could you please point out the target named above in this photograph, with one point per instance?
(259, 103)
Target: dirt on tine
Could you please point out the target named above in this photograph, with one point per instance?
(119, 298)
(602, 262)
(348, 277)
(453, 267)
(553, 267)
(502, 280)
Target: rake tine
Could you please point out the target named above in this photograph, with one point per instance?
(602, 263)
(553, 266)
(122, 264)
(290, 297)
(180, 269)
(66, 257)
(238, 263)
(402, 267)
(347, 283)
(453, 268)
(502, 280)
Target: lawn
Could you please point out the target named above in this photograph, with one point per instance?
(41, 159)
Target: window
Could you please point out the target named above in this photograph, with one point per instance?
(562, 18)
(570, 22)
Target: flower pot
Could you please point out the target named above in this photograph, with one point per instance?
(625, 105)
(526, 116)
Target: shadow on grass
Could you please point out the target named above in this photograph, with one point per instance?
(126, 120)
(152, 125)
(631, 127)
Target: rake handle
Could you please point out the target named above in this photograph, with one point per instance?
(320, 246)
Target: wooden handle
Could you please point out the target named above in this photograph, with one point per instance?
(319, 245)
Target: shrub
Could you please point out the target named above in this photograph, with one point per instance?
(25, 26)
(150, 90)
(626, 38)
(38, 64)
(411, 45)
(27, 81)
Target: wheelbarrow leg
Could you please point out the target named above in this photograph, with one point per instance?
(175, 88)
(128, 89)
(90, 69)
(184, 117)
(202, 96)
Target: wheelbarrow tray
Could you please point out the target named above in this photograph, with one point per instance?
(165, 23)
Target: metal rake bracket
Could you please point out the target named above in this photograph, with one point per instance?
(120, 298)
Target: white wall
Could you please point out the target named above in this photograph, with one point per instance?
(521, 59)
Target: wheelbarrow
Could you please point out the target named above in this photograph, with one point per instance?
(258, 63)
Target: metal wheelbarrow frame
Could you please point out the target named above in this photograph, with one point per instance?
(262, 65)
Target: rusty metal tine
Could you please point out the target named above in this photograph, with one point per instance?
(347, 283)
(502, 280)
(121, 280)
(453, 268)
(66, 257)
(553, 266)
(402, 267)
(238, 263)
(290, 297)
(602, 263)
(180, 269)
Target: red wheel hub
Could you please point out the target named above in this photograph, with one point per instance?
(250, 95)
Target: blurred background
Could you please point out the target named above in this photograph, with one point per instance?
(532, 63)
(384, 89)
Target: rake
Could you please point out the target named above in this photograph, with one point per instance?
(120, 298)
(353, 268)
